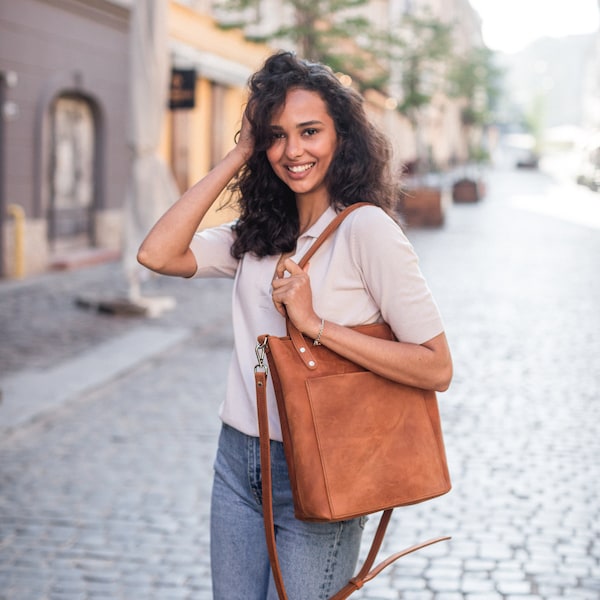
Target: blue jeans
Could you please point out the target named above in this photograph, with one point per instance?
(316, 559)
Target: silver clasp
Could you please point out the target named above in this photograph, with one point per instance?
(260, 357)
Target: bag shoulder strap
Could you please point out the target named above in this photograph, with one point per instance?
(303, 351)
(333, 225)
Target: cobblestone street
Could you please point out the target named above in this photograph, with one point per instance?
(108, 423)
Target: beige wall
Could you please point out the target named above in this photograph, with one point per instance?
(199, 33)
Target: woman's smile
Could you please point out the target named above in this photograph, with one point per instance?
(300, 169)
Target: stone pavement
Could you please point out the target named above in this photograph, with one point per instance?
(108, 423)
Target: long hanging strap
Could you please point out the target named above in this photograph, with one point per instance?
(260, 376)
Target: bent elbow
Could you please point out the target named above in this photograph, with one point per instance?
(442, 386)
(150, 260)
(145, 259)
(445, 378)
(163, 264)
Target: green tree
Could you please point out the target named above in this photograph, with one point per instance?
(534, 120)
(326, 31)
(418, 52)
(476, 78)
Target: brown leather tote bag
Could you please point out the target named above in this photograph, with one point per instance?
(355, 443)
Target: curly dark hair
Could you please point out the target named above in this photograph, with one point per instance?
(359, 172)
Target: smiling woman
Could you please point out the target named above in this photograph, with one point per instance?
(305, 151)
(510, 25)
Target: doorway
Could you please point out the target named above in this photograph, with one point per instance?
(72, 176)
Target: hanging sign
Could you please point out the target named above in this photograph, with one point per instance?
(183, 87)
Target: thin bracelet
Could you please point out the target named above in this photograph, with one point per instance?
(317, 340)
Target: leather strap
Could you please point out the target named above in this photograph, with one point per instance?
(260, 376)
(303, 350)
(333, 225)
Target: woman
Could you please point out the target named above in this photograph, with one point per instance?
(305, 150)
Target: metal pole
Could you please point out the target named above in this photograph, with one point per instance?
(2, 171)
(8, 79)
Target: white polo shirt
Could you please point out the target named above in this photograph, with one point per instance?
(365, 272)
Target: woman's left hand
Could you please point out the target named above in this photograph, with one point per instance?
(292, 296)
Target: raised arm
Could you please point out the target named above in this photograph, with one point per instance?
(166, 248)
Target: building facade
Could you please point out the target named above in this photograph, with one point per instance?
(64, 160)
(65, 85)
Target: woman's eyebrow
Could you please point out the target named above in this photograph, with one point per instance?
(307, 123)
(300, 125)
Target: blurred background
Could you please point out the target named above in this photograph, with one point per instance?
(457, 85)
(111, 379)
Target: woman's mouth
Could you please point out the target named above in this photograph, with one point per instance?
(300, 168)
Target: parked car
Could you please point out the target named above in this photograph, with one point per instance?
(521, 148)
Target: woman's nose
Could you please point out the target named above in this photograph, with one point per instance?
(293, 148)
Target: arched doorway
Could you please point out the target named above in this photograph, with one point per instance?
(72, 174)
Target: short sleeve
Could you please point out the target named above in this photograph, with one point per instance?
(212, 250)
(390, 270)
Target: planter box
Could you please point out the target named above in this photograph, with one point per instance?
(468, 190)
(423, 206)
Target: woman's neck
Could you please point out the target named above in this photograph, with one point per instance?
(309, 212)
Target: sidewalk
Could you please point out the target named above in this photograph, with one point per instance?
(104, 486)
(58, 350)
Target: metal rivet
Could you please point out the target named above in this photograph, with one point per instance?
(311, 363)
(303, 349)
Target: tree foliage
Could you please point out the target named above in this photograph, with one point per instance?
(326, 31)
(421, 50)
(476, 78)
(333, 32)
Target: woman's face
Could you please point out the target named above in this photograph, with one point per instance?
(303, 143)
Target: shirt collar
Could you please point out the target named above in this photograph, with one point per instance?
(317, 228)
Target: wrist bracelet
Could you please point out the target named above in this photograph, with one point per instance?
(317, 340)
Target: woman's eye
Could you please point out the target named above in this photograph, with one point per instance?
(277, 135)
(310, 131)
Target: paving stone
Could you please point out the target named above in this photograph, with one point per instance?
(471, 584)
(514, 588)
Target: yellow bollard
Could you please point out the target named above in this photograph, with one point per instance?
(18, 214)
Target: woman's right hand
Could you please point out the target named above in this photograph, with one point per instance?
(245, 142)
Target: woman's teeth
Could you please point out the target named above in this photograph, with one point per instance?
(301, 168)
